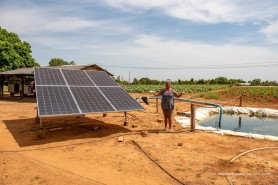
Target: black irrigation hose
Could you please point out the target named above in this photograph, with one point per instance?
(157, 163)
(62, 169)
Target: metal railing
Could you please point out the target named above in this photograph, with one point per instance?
(192, 107)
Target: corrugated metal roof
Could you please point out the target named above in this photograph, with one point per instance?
(19, 71)
(30, 71)
(75, 67)
(82, 67)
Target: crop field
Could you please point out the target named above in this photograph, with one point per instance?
(179, 88)
(255, 91)
(210, 91)
(264, 94)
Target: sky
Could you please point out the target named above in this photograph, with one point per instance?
(158, 39)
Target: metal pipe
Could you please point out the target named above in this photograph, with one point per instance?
(197, 102)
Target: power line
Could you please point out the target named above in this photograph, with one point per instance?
(223, 66)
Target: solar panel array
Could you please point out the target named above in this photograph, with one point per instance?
(70, 92)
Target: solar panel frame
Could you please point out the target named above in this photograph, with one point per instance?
(88, 91)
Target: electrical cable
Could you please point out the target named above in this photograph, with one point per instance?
(65, 145)
(61, 169)
(224, 66)
(87, 142)
(17, 152)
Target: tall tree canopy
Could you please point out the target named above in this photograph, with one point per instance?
(14, 53)
(60, 62)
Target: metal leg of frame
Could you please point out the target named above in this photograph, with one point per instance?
(40, 123)
(126, 119)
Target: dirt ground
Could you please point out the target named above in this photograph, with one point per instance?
(85, 150)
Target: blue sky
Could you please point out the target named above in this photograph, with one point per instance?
(159, 39)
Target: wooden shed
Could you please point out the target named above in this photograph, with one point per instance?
(24, 73)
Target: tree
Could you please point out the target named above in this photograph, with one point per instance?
(256, 81)
(118, 79)
(72, 63)
(201, 81)
(221, 80)
(145, 81)
(135, 81)
(60, 62)
(14, 53)
(191, 81)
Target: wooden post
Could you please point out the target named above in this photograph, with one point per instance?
(192, 117)
(126, 119)
(241, 101)
(2, 86)
(22, 87)
(156, 104)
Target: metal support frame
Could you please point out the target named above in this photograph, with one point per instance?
(126, 119)
(38, 119)
(40, 122)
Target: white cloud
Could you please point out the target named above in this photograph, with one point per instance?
(34, 20)
(204, 10)
(153, 48)
(153, 51)
(73, 33)
(271, 32)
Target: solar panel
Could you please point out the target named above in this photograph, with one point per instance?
(55, 100)
(120, 99)
(101, 78)
(77, 78)
(44, 76)
(66, 92)
(90, 99)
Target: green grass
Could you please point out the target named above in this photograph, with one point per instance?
(256, 91)
(178, 88)
(266, 93)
